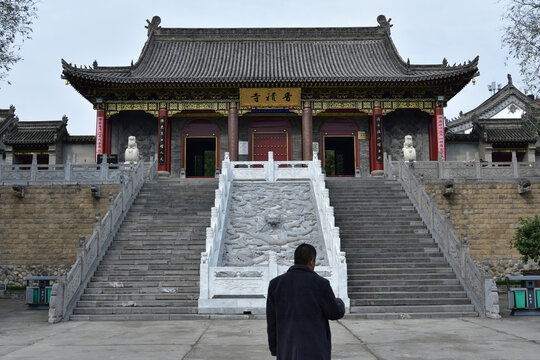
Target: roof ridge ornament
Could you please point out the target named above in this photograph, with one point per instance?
(383, 23)
(510, 80)
(153, 25)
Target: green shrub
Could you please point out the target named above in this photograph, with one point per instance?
(527, 239)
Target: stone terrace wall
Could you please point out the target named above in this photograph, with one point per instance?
(489, 213)
(39, 233)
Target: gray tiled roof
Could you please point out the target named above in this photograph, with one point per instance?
(269, 55)
(505, 131)
(36, 132)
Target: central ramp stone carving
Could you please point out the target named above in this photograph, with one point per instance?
(262, 211)
(266, 218)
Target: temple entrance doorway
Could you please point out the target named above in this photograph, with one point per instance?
(200, 157)
(339, 155)
(339, 137)
(201, 148)
(270, 134)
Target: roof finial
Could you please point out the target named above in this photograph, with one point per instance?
(65, 118)
(381, 19)
(11, 109)
(445, 62)
(94, 64)
(510, 79)
(153, 25)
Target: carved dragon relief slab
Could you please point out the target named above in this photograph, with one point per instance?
(267, 218)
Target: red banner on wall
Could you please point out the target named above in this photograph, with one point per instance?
(100, 124)
(441, 146)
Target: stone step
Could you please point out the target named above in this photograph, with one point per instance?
(415, 315)
(135, 310)
(393, 301)
(397, 271)
(407, 295)
(402, 288)
(193, 290)
(412, 309)
(140, 317)
(150, 267)
(403, 265)
(407, 259)
(378, 254)
(136, 303)
(140, 273)
(137, 297)
(143, 278)
(353, 284)
(398, 277)
(143, 284)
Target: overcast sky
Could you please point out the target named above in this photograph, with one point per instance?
(113, 33)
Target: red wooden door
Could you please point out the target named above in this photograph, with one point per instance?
(263, 142)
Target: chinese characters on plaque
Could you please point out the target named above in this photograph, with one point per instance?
(378, 138)
(161, 151)
(440, 137)
(99, 134)
(270, 97)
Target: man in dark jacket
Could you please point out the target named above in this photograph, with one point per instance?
(298, 307)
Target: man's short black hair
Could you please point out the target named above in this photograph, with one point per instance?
(304, 253)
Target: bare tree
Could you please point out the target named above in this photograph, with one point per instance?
(16, 17)
(522, 38)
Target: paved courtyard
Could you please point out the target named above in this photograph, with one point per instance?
(25, 334)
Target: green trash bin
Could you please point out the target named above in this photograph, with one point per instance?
(537, 293)
(520, 298)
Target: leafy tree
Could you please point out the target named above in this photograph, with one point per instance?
(522, 38)
(527, 239)
(16, 17)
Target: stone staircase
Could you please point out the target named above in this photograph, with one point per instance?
(395, 269)
(151, 269)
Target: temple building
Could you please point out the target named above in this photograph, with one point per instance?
(48, 142)
(344, 93)
(505, 123)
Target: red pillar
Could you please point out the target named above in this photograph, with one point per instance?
(232, 131)
(376, 150)
(307, 133)
(436, 136)
(100, 132)
(107, 137)
(164, 141)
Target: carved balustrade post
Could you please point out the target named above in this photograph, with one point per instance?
(465, 251)
(97, 230)
(81, 255)
(104, 168)
(432, 203)
(68, 169)
(110, 209)
(448, 229)
(33, 168)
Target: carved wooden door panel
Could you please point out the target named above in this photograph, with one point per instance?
(263, 142)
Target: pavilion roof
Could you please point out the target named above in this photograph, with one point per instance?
(280, 56)
(36, 132)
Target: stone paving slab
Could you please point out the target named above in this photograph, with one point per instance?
(25, 334)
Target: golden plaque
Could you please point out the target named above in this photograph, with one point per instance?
(270, 97)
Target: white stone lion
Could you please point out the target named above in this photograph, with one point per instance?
(132, 152)
(409, 153)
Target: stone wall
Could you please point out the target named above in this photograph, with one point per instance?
(403, 122)
(489, 213)
(39, 233)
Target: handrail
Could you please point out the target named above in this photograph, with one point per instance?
(68, 173)
(68, 289)
(481, 290)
